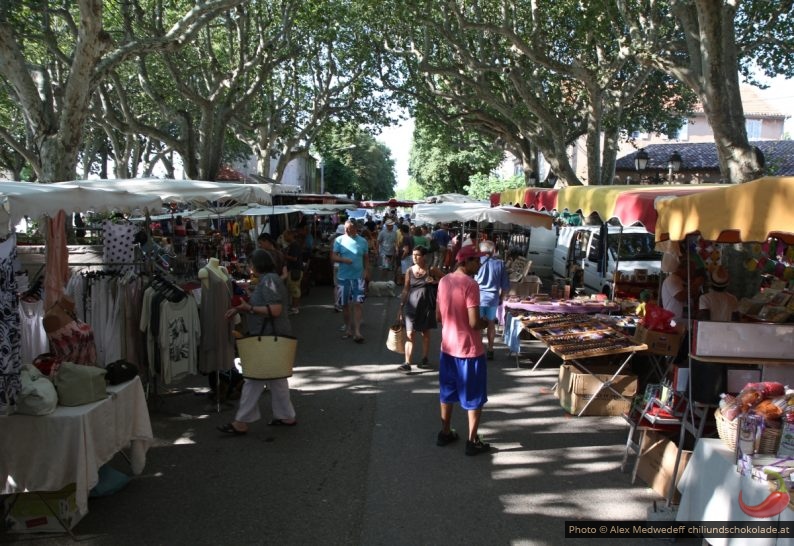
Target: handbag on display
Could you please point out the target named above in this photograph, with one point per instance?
(268, 356)
(78, 385)
(37, 395)
(120, 371)
(48, 364)
(396, 338)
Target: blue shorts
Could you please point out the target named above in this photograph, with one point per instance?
(463, 380)
(351, 290)
(488, 313)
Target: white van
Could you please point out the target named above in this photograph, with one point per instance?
(584, 255)
(541, 251)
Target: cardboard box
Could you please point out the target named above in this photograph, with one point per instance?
(656, 463)
(575, 388)
(524, 288)
(743, 340)
(660, 343)
(33, 512)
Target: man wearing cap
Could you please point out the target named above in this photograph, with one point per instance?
(387, 245)
(717, 304)
(350, 252)
(494, 282)
(462, 370)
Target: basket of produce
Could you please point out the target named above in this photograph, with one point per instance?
(764, 403)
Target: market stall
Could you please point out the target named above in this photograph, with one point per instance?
(750, 212)
(628, 204)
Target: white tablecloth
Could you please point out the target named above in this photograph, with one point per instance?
(710, 489)
(46, 453)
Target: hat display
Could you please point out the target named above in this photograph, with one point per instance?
(466, 252)
(719, 277)
(340, 229)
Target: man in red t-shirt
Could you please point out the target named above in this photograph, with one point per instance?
(462, 371)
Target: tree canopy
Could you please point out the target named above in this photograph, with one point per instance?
(138, 83)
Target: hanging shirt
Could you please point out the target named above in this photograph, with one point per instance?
(179, 335)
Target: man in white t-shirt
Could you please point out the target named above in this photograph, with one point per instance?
(717, 304)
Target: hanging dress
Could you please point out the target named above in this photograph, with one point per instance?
(33, 337)
(217, 339)
(10, 353)
(56, 268)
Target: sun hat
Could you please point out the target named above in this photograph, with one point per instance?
(389, 222)
(719, 277)
(466, 252)
(340, 229)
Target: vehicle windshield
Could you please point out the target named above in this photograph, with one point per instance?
(633, 246)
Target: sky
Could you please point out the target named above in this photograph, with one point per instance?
(398, 138)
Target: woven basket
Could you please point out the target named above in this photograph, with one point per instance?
(726, 430)
(396, 338)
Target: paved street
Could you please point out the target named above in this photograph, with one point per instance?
(362, 466)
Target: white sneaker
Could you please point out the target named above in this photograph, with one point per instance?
(294, 311)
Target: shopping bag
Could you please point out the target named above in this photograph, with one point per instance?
(268, 356)
(396, 338)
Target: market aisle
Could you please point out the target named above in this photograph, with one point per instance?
(362, 466)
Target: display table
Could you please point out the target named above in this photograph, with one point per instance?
(46, 453)
(513, 327)
(563, 306)
(710, 489)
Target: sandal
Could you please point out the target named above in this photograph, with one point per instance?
(281, 423)
(347, 335)
(228, 428)
(358, 339)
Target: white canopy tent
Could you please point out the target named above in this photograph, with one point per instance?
(451, 198)
(196, 192)
(21, 199)
(479, 212)
(309, 210)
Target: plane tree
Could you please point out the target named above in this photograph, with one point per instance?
(709, 47)
(54, 54)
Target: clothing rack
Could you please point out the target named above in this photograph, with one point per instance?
(171, 291)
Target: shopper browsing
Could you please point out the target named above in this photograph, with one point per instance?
(269, 299)
(462, 370)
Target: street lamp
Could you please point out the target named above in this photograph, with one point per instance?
(641, 160)
(673, 165)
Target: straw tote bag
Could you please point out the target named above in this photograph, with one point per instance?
(396, 339)
(268, 356)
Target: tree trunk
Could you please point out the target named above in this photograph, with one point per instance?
(593, 139)
(714, 75)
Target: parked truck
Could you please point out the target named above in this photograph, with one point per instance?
(590, 255)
